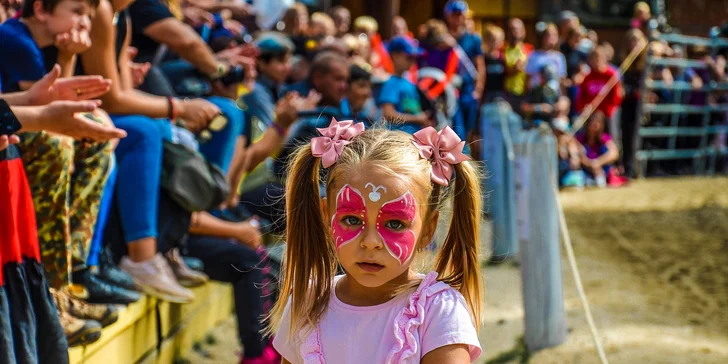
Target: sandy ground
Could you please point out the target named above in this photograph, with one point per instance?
(654, 262)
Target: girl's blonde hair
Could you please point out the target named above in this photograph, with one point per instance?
(310, 263)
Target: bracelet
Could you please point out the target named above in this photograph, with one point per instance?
(279, 129)
(172, 112)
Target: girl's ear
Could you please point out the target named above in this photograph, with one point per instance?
(429, 227)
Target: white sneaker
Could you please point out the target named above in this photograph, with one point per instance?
(155, 278)
(601, 181)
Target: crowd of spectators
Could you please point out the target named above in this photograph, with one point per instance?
(88, 204)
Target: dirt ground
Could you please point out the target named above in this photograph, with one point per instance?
(653, 258)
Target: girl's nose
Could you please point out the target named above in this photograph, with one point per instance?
(371, 239)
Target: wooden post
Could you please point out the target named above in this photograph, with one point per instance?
(543, 297)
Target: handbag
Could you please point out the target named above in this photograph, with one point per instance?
(190, 180)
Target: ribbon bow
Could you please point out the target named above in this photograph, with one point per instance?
(331, 144)
(443, 149)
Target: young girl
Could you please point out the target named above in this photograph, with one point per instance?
(384, 190)
(598, 151)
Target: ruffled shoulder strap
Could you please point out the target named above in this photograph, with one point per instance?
(312, 351)
(411, 318)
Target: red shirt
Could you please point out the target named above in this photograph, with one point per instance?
(593, 83)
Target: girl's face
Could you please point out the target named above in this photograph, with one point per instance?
(596, 126)
(376, 222)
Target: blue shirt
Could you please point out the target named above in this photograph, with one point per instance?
(259, 105)
(406, 100)
(541, 58)
(20, 57)
(472, 44)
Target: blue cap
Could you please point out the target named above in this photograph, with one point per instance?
(406, 45)
(274, 42)
(456, 6)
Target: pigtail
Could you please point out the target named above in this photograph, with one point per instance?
(310, 261)
(458, 261)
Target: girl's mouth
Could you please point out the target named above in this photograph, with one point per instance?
(370, 267)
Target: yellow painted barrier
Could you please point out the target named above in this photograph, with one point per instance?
(135, 338)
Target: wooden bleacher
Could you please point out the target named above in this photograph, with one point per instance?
(150, 331)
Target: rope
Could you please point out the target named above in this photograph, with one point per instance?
(589, 109)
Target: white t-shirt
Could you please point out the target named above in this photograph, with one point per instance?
(539, 59)
(436, 316)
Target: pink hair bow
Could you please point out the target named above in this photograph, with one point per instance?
(331, 144)
(443, 149)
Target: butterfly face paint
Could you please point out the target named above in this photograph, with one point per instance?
(394, 224)
(349, 202)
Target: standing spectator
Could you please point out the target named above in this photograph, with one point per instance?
(568, 20)
(295, 26)
(517, 53)
(342, 20)
(495, 63)
(641, 16)
(399, 98)
(400, 27)
(473, 85)
(598, 152)
(576, 57)
(632, 79)
(546, 54)
(595, 81)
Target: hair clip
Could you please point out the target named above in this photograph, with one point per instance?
(331, 144)
(443, 149)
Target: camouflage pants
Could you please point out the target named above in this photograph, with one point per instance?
(67, 181)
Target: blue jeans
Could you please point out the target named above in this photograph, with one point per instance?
(219, 150)
(107, 200)
(139, 165)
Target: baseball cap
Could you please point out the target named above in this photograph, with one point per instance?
(456, 6)
(274, 43)
(406, 45)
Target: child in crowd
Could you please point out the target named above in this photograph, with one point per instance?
(595, 81)
(322, 26)
(358, 102)
(545, 103)
(516, 56)
(399, 99)
(385, 190)
(598, 152)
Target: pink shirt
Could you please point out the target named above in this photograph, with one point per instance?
(401, 330)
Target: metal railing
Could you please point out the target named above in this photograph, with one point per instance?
(675, 113)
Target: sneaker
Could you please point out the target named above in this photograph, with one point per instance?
(601, 181)
(185, 276)
(78, 332)
(101, 313)
(156, 279)
(574, 179)
(109, 272)
(102, 292)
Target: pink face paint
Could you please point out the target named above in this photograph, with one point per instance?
(349, 202)
(400, 244)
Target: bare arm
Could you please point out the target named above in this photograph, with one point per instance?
(611, 156)
(480, 84)
(450, 354)
(183, 40)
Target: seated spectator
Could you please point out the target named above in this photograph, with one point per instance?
(295, 25)
(598, 152)
(358, 104)
(545, 103)
(495, 63)
(546, 54)
(32, 330)
(399, 98)
(342, 20)
(516, 54)
(599, 77)
(66, 177)
(321, 26)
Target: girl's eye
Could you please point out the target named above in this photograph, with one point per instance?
(395, 225)
(351, 221)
